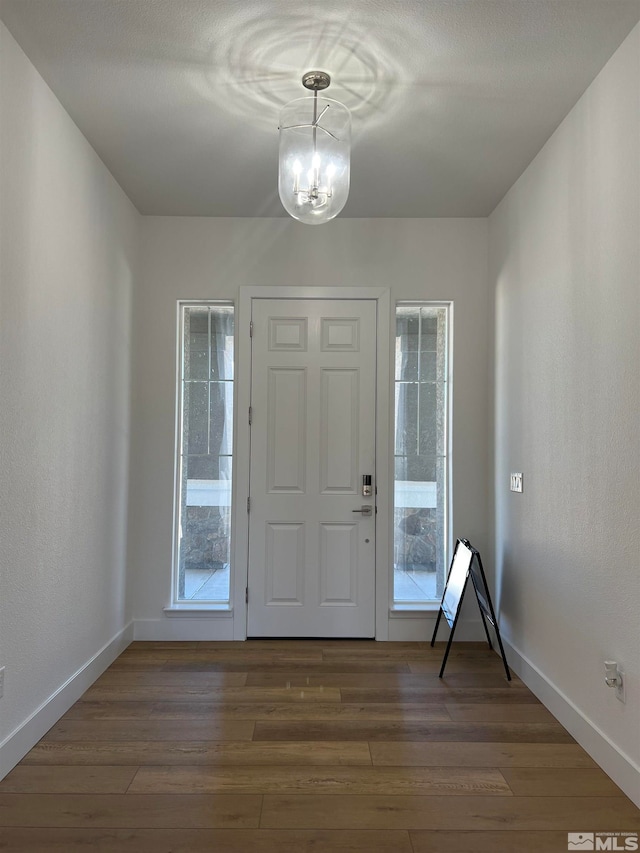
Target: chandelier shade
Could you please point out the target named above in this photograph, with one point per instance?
(314, 155)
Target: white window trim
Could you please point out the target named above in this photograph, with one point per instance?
(219, 611)
(180, 607)
(409, 609)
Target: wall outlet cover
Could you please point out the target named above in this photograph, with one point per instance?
(516, 482)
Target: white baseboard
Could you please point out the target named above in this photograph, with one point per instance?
(620, 767)
(14, 747)
(187, 628)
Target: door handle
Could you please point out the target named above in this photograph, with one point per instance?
(366, 509)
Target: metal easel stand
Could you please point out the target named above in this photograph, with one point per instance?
(467, 563)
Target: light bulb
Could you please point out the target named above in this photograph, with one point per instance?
(297, 168)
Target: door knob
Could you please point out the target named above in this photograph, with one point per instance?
(366, 509)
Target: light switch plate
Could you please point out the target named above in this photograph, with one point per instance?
(516, 482)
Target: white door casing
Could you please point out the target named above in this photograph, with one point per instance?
(313, 437)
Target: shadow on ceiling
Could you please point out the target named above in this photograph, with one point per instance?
(256, 65)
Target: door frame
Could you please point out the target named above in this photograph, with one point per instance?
(242, 443)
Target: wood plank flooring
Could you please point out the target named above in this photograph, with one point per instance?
(306, 747)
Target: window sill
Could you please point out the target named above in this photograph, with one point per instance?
(413, 611)
(217, 611)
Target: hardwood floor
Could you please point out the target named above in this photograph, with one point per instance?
(308, 746)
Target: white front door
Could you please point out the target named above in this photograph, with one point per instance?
(311, 552)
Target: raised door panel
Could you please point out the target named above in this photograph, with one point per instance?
(286, 445)
(340, 334)
(287, 334)
(339, 431)
(338, 564)
(284, 573)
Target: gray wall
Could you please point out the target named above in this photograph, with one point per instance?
(194, 258)
(565, 266)
(68, 243)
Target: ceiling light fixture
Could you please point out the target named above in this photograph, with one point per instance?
(314, 157)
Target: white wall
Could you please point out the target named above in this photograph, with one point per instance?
(68, 244)
(565, 264)
(193, 258)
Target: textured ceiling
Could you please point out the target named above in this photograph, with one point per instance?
(451, 99)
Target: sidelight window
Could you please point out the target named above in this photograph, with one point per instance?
(422, 389)
(204, 455)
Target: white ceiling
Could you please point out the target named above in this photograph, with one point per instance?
(451, 99)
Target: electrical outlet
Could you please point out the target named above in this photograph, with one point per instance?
(516, 482)
(1, 680)
(614, 677)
